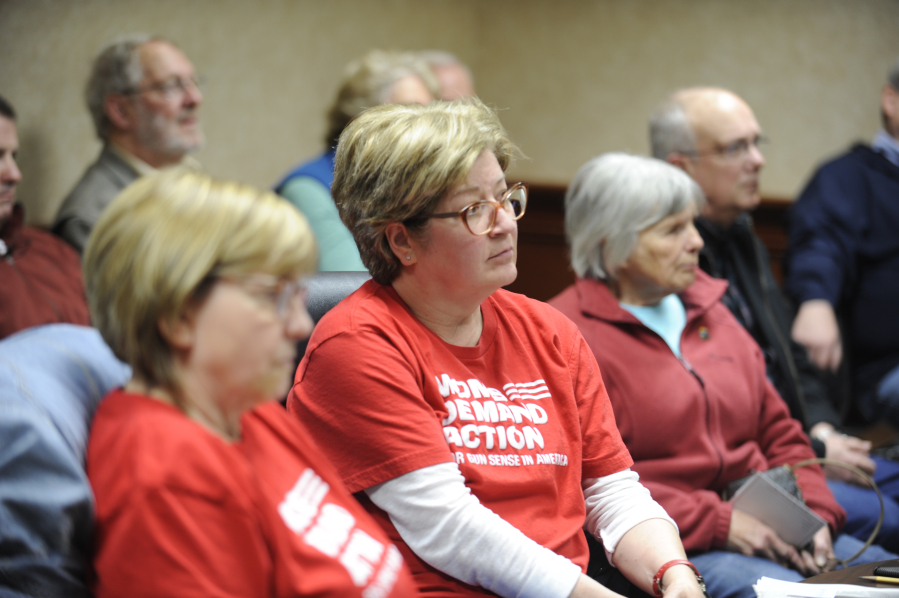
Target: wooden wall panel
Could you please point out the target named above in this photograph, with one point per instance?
(543, 263)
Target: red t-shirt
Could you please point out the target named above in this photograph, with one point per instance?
(524, 413)
(181, 512)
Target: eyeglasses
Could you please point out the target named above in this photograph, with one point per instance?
(171, 88)
(480, 216)
(734, 151)
(284, 295)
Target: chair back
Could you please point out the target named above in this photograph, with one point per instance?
(327, 289)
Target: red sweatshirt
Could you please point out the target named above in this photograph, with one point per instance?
(694, 424)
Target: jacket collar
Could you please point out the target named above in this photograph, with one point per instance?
(875, 160)
(709, 229)
(596, 300)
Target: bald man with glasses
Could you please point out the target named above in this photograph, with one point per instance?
(713, 135)
(143, 95)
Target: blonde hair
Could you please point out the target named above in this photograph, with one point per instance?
(368, 81)
(395, 162)
(159, 246)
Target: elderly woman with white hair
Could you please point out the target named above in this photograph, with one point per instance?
(470, 421)
(378, 77)
(686, 381)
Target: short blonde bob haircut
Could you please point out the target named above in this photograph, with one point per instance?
(611, 199)
(395, 162)
(159, 246)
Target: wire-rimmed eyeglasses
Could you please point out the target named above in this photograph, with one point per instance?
(732, 151)
(480, 217)
(171, 88)
(285, 296)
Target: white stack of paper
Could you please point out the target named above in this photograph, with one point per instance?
(774, 588)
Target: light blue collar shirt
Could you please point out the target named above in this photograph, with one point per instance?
(667, 319)
(887, 145)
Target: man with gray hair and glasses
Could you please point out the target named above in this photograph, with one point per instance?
(143, 95)
(844, 259)
(713, 135)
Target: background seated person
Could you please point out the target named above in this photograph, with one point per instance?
(144, 98)
(472, 422)
(40, 276)
(204, 485)
(686, 381)
(713, 135)
(844, 260)
(379, 77)
(453, 76)
(51, 379)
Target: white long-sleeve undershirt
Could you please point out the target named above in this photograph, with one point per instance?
(447, 527)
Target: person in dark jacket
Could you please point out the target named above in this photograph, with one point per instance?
(844, 259)
(714, 136)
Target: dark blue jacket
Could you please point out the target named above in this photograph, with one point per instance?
(844, 247)
(321, 169)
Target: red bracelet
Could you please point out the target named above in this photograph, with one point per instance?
(657, 578)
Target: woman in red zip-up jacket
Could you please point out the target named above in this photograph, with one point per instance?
(686, 381)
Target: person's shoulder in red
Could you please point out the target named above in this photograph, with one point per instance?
(263, 516)
(322, 541)
(372, 305)
(138, 442)
(42, 282)
(174, 507)
(534, 317)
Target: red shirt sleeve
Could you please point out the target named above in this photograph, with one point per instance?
(379, 425)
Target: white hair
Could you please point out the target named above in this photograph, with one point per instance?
(611, 199)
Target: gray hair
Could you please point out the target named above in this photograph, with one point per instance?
(670, 131)
(893, 75)
(367, 82)
(611, 199)
(116, 69)
(438, 58)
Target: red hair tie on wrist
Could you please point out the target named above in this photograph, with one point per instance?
(657, 578)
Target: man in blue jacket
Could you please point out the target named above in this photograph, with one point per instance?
(844, 261)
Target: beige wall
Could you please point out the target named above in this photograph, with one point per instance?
(574, 77)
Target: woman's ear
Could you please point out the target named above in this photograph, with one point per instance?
(179, 332)
(400, 243)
